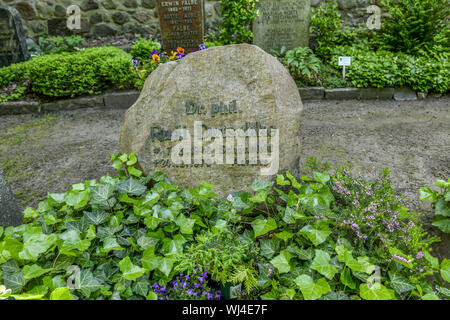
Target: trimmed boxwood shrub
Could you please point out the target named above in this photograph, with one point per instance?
(73, 74)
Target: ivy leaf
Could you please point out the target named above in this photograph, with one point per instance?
(347, 279)
(96, 218)
(261, 185)
(323, 178)
(441, 208)
(61, 294)
(281, 181)
(33, 271)
(432, 260)
(101, 193)
(37, 293)
(311, 290)
(377, 292)
(302, 254)
(281, 262)
(13, 281)
(152, 296)
(166, 265)
(316, 233)
(37, 245)
(88, 283)
(321, 264)
(129, 270)
(284, 235)
(149, 261)
(259, 197)
(430, 296)
(290, 215)
(442, 223)
(141, 287)
(268, 247)
(131, 186)
(263, 226)
(427, 194)
(445, 270)
(399, 283)
(77, 199)
(186, 225)
(110, 243)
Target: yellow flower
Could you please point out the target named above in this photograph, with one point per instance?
(173, 56)
(143, 70)
(156, 58)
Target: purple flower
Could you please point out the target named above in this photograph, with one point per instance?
(156, 285)
(419, 255)
(210, 296)
(190, 292)
(196, 285)
(230, 198)
(202, 47)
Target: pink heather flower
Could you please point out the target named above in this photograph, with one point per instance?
(421, 270)
(419, 255)
(355, 226)
(395, 256)
(230, 198)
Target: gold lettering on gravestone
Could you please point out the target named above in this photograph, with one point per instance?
(282, 23)
(182, 24)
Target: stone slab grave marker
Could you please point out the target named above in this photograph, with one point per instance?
(236, 110)
(282, 23)
(10, 214)
(182, 24)
(13, 47)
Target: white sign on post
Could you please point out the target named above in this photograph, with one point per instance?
(344, 61)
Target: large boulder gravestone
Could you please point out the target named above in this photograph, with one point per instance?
(10, 214)
(238, 94)
(282, 23)
(13, 47)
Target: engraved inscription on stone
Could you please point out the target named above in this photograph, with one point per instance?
(13, 47)
(182, 24)
(282, 23)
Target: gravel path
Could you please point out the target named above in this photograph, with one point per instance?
(50, 152)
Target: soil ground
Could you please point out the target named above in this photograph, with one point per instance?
(50, 152)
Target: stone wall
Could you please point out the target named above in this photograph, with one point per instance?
(114, 17)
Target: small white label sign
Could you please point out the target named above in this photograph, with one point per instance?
(345, 61)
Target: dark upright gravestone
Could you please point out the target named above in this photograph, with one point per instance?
(182, 24)
(282, 23)
(10, 214)
(13, 47)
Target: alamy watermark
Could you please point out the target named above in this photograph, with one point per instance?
(227, 147)
(74, 20)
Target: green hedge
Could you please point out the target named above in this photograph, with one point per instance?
(73, 74)
(425, 73)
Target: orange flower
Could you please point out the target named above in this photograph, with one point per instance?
(180, 50)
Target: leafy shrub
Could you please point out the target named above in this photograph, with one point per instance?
(129, 236)
(308, 70)
(414, 24)
(441, 204)
(329, 30)
(72, 74)
(238, 16)
(50, 45)
(388, 69)
(142, 49)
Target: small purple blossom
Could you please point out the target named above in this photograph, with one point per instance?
(419, 255)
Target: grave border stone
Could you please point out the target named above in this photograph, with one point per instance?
(13, 217)
(21, 39)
